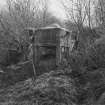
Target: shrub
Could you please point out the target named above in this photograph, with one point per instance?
(96, 55)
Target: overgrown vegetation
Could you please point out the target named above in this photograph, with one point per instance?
(80, 80)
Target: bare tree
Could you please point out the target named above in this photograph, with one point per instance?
(79, 11)
(74, 12)
(100, 13)
(21, 14)
(90, 12)
(25, 13)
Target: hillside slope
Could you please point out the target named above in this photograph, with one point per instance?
(48, 89)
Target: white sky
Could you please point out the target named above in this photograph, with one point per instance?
(54, 7)
(57, 9)
(2, 2)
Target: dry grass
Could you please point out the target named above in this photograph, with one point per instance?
(49, 89)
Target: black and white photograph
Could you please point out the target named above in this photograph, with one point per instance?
(52, 52)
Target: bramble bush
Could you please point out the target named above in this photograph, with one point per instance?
(91, 65)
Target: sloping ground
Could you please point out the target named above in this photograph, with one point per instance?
(22, 71)
(48, 89)
(15, 73)
(61, 87)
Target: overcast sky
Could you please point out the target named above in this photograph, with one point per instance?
(2, 2)
(55, 7)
